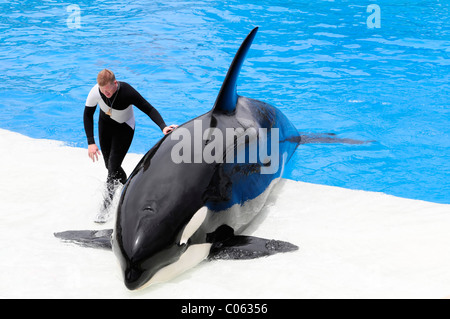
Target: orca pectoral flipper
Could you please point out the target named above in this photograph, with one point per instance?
(88, 238)
(248, 247)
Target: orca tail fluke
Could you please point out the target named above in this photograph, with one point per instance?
(227, 98)
(88, 238)
(327, 138)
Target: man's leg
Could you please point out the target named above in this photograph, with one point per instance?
(121, 142)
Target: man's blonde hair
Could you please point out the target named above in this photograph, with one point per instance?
(105, 77)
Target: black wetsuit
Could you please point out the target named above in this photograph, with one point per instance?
(116, 132)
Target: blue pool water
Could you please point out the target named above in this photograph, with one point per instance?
(318, 61)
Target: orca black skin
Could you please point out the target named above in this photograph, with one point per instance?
(161, 197)
(172, 214)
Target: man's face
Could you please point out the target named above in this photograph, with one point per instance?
(109, 89)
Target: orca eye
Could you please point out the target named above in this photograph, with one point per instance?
(149, 208)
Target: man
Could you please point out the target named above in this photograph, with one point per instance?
(115, 126)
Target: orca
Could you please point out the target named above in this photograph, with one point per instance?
(179, 207)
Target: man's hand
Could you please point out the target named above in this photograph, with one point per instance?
(169, 129)
(93, 152)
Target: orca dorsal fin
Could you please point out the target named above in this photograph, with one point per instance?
(227, 98)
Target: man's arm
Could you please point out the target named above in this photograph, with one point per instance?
(88, 119)
(143, 105)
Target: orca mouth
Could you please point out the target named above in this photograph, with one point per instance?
(135, 278)
(138, 273)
